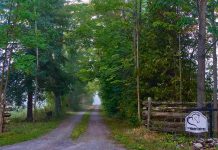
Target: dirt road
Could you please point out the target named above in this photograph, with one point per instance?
(96, 138)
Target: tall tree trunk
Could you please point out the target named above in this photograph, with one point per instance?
(30, 106)
(3, 86)
(213, 19)
(57, 104)
(137, 16)
(215, 85)
(1, 118)
(4, 83)
(5, 71)
(201, 53)
(2, 97)
(37, 63)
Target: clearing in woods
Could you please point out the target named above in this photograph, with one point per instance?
(95, 138)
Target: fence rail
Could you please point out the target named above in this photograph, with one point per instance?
(166, 116)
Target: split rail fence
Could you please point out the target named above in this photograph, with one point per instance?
(166, 116)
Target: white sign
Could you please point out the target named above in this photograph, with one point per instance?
(196, 122)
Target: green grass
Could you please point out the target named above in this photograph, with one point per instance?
(81, 127)
(20, 130)
(141, 139)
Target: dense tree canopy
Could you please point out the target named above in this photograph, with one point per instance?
(79, 46)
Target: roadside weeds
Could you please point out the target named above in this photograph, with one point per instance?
(81, 127)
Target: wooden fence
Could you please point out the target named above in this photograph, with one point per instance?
(166, 116)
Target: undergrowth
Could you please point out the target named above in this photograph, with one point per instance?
(139, 138)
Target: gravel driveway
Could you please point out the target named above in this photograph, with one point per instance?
(96, 138)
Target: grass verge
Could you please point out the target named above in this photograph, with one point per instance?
(20, 131)
(141, 139)
(81, 127)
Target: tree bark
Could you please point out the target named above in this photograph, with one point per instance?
(37, 64)
(2, 96)
(5, 73)
(57, 104)
(214, 46)
(30, 107)
(1, 118)
(201, 53)
(215, 86)
(136, 39)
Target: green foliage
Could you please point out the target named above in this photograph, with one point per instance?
(116, 61)
(35, 25)
(161, 54)
(50, 105)
(25, 63)
(86, 48)
(93, 86)
(102, 48)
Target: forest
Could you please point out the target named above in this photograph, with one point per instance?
(56, 53)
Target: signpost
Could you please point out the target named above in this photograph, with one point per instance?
(209, 108)
(196, 122)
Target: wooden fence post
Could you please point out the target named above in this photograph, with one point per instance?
(149, 112)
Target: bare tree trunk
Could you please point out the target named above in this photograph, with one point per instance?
(1, 98)
(30, 92)
(138, 4)
(214, 46)
(1, 117)
(5, 87)
(57, 104)
(180, 60)
(30, 106)
(180, 70)
(215, 85)
(5, 73)
(4, 84)
(201, 53)
(8, 72)
(37, 67)
(2, 95)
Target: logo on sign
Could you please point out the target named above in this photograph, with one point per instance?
(196, 122)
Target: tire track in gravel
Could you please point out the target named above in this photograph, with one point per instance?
(59, 136)
(95, 138)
